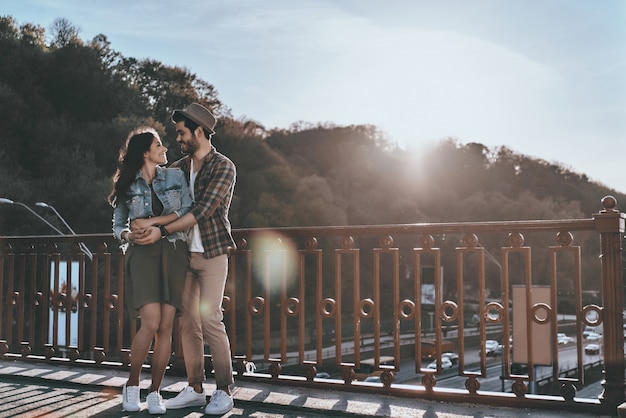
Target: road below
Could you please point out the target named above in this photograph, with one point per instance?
(495, 367)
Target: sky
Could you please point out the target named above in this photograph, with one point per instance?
(545, 78)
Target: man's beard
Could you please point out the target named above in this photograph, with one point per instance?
(189, 147)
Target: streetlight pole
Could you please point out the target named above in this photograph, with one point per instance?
(45, 205)
(56, 212)
(83, 247)
(11, 202)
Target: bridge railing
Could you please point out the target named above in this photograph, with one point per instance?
(357, 301)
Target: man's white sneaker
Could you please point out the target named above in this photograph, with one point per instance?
(155, 403)
(186, 398)
(220, 403)
(130, 398)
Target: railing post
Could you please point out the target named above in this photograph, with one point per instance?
(610, 225)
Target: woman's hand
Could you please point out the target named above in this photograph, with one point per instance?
(133, 235)
(141, 223)
(147, 236)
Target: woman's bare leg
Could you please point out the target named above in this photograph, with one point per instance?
(150, 320)
(162, 346)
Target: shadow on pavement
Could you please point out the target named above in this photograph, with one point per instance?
(21, 398)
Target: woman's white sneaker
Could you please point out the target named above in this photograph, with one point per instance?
(220, 403)
(130, 398)
(155, 403)
(186, 398)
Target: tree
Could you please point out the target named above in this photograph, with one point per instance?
(314, 203)
(163, 88)
(33, 35)
(64, 33)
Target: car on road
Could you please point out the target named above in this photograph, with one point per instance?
(373, 379)
(445, 364)
(592, 336)
(519, 368)
(491, 348)
(429, 348)
(322, 375)
(453, 357)
(563, 338)
(592, 349)
(499, 350)
(368, 367)
(589, 330)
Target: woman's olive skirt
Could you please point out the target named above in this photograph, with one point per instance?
(155, 273)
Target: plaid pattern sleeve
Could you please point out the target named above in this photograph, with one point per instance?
(213, 192)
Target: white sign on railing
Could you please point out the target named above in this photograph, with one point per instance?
(541, 353)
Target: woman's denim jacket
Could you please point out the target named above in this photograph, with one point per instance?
(171, 188)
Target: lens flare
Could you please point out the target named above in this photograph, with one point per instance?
(275, 261)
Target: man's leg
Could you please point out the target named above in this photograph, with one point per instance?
(212, 278)
(212, 282)
(191, 327)
(193, 345)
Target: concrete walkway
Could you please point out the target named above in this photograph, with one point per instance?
(43, 390)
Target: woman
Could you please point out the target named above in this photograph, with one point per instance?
(155, 273)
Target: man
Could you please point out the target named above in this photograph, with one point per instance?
(211, 178)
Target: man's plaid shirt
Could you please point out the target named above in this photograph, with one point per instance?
(213, 192)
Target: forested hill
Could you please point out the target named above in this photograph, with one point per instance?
(67, 105)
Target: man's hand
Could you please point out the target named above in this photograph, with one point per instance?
(147, 236)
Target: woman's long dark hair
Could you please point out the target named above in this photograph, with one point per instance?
(131, 160)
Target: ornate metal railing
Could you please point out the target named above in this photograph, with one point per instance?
(350, 302)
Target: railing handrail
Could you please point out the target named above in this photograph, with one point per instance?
(548, 225)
